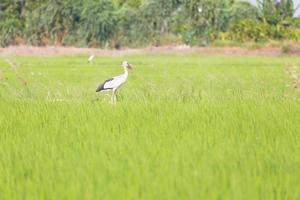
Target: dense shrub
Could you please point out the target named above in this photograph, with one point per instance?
(248, 30)
(98, 22)
(135, 23)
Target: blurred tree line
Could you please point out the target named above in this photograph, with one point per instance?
(133, 23)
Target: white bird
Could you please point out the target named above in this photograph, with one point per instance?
(91, 58)
(200, 9)
(114, 83)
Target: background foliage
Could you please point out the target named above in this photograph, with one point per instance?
(133, 23)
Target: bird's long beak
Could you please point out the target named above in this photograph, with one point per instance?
(129, 66)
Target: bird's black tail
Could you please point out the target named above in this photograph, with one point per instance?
(101, 86)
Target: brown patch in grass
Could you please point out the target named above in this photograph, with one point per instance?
(14, 69)
(2, 78)
(291, 71)
(23, 50)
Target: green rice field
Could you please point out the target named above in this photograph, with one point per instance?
(185, 127)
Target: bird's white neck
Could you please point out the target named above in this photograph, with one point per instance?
(125, 71)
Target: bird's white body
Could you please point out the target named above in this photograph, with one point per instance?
(114, 83)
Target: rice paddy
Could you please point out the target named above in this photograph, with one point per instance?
(184, 127)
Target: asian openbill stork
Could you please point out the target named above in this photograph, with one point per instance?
(114, 83)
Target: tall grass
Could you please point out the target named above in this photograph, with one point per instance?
(185, 127)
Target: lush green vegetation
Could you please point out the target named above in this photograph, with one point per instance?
(118, 23)
(185, 127)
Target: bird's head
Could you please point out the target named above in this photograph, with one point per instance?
(126, 64)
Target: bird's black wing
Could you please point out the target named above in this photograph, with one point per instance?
(101, 86)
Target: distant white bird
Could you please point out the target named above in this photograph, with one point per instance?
(200, 9)
(91, 58)
(114, 83)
